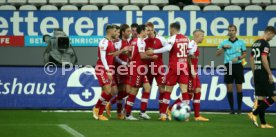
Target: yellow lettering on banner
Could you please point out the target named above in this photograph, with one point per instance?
(214, 41)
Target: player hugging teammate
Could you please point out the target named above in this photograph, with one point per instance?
(142, 58)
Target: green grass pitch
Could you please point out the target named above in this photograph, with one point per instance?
(34, 123)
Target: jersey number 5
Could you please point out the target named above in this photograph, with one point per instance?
(182, 49)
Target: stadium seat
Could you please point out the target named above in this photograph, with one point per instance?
(48, 7)
(211, 8)
(274, 1)
(159, 2)
(17, 2)
(7, 7)
(240, 2)
(119, 2)
(37, 2)
(78, 2)
(27, 7)
(221, 2)
(253, 8)
(131, 7)
(89, 7)
(2, 1)
(232, 8)
(271, 7)
(150, 7)
(69, 7)
(191, 8)
(171, 7)
(139, 2)
(110, 7)
(260, 1)
(58, 2)
(201, 2)
(99, 2)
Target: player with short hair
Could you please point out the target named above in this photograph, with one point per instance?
(138, 68)
(157, 69)
(234, 51)
(105, 70)
(194, 87)
(263, 77)
(178, 66)
(121, 63)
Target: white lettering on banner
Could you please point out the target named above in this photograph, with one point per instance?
(16, 19)
(30, 19)
(194, 21)
(4, 40)
(3, 26)
(213, 89)
(84, 23)
(18, 88)
(48, 23)
(84, 26)
(216, 26)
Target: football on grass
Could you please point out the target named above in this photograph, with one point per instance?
(181, 111)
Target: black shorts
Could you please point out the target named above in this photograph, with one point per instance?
(265, 89)
(237, 74)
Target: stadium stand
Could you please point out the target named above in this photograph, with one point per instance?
(58, 2)
(159, 2)
(253, 8)
(211, 8)
(110, 7)
(240, 2)
(171, 7)
(48, 7)
(221, 2)
(2, 1)
(274, 1)
(261, 1)
(139, 2)
(37, 2)
(79, 2)
(202, 2)
(270, 8)
(69, 7)
(99, 2)
(7, 7)
(27, 7)
(150, 7)
(16, 2)
(119, 2)
(192, 8)
(131, 7)
(89, 7)
(232, 8)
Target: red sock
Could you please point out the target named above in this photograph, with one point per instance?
(175, 102)
(185, 97)
(105, 98)
(99, 102)
(113, 100)
(161, 95)
(166, 102)
(144, 101)
(196, 103)
(119, 101)
(129, 103)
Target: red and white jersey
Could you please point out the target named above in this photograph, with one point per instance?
(139, 46)
(179, 51)
(193, 50)
(107, 46)
(156, 43)
(120, 45)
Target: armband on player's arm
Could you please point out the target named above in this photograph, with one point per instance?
(103, 59)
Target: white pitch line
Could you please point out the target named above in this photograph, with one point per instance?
(70, 130)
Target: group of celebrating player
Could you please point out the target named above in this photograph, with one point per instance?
(127, 63)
